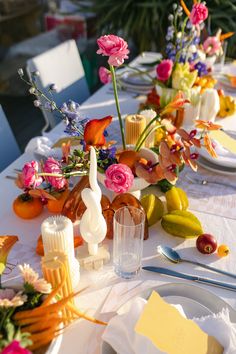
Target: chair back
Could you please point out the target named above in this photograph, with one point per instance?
(61, 66)
(9, 149)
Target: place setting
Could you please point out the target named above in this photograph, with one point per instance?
(117, 233)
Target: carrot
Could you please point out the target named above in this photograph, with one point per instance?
(27, 321)
(48, 333)
(74, 310)
(40, 326)
(46, 309)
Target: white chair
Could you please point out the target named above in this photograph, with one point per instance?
(9, 149)
(61, 66)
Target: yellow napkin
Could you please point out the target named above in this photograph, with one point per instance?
(171, 333)
(224, 139)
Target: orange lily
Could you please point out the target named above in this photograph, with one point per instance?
(65, 148)
(176, 104)
(94, 131)
(169, 156)
(226, 36)
(209, 146)
(204, 124)
(6, 243)
(186, 10)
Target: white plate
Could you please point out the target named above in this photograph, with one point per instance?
(222, 170)
(196, 302)
(224, 161)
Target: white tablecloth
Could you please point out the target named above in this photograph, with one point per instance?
(84, 337)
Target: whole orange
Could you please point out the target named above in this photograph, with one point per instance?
(55, 206)
(27, 207)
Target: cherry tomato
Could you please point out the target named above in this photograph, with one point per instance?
(27, 207)
(206, 243)
(223, 251)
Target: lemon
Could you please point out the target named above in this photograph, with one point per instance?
(153, 207)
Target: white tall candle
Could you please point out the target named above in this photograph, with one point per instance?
(149, 114)
(57, 235)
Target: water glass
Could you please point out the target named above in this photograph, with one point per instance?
(128, 241)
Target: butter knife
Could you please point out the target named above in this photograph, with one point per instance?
(197, 279)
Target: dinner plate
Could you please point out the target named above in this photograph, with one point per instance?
(196, 302)
(222, 170)
(221, 160)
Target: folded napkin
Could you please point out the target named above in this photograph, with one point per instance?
(120, 333)
(40, 145)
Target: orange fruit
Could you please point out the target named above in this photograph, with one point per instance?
(27, 207)
(78, 241)
(56, 206)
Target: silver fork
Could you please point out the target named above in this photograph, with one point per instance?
(205, 182)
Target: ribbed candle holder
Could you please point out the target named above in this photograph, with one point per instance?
(57, 235)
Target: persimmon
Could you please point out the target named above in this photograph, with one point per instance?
(56, 206)
(27, 207)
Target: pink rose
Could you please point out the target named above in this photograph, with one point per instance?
(164, 69)
(119, 178)
(15, 348)
(53, 166)
(198, 14)
(114, 47)
(104, 75)
(211, 45)
(29, 175)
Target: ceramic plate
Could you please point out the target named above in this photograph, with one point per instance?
(224, 161)
(196, 302)
(222, 170)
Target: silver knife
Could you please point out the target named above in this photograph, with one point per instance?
(197, 279)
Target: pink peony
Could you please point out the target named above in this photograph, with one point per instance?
(104, 75)
(198, 14)
(15, 348)
(114, 47)
(29, 176)
(164, 69)
(119, 178)
(211, 45)
(53, 166)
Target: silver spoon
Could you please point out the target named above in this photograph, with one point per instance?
(174, 257)
(205, 182)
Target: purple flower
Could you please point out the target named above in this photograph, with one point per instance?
(74, 123)
(201, 68)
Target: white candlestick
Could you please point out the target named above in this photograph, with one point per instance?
(57, 235)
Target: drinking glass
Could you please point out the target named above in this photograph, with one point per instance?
(128, 241)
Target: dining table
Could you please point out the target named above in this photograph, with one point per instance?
(103, 292)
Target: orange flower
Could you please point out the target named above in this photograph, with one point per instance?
(204, 124)
(94, 131)
(41, 193)
(188, 139)
(186, 10)
(226, 36)
(169, 156)
(6, 243)
(176, 104)
(189, 158)
(209, 146)
(65, 148)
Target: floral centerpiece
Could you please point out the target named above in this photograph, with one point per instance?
(120, 166)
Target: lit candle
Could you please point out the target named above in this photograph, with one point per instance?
(134, 126)
(57, 235)
(54, 267)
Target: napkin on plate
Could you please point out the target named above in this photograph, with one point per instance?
(121, 336)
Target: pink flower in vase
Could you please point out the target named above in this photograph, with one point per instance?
(53, 166)
(164, 69)
(104, 75)
(29, 175)
(15, 348)
(211, 45)
(119, 178)
(116, 48)
(198, 14)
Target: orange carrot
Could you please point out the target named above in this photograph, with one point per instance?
(74, 310)
(42, 325)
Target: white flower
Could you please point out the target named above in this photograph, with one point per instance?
(192, 48)
(179, 35)
(148, 113)
(9, 298)
(32, 278)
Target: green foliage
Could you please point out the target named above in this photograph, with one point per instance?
(10, 332)
(145, 21)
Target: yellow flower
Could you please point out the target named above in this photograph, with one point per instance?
(227, 106)
(182, 78)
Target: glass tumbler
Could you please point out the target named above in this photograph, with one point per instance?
(128, 241)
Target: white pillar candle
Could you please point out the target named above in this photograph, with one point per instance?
(57, 235)
(149, 114)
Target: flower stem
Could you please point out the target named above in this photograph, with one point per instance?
(143, 135)
(113, 75)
